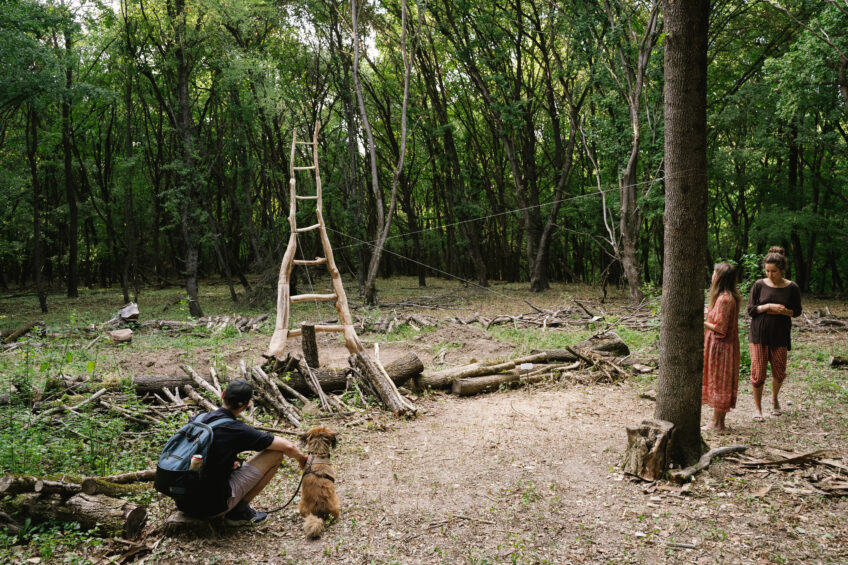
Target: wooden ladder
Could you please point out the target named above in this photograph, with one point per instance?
(284, 299)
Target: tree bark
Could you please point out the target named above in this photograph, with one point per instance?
(685, 238)
(309, 345)
(647, 449)
(38, 252)
(476, 385)
(70, 189)
(384, 387)
(114, 516)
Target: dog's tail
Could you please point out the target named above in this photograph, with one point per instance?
(313, 526)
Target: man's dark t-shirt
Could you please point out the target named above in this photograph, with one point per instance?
(229, 439)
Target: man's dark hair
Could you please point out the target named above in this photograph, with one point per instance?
(238, 393)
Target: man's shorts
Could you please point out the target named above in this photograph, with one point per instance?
(241, 481)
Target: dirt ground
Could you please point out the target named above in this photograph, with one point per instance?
(532, 476)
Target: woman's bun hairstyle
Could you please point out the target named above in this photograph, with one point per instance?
(776, 256)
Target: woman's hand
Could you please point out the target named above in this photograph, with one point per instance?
(771, 308)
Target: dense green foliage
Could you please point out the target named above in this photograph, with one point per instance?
(142, 144)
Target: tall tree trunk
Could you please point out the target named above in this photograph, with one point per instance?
(384, 217)
(681, 330)
(38, 253)
(130, 260)
(70, 189)
(189, 174)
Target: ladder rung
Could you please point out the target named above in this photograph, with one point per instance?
(316, 261)
(310, 228)
(306, 297)
(309, 168)
(329, 328)
(305, 142)
(313, 197)
(318, 328)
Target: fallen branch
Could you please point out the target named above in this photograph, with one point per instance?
(683, 475)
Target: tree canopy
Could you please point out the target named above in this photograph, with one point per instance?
(147, 142)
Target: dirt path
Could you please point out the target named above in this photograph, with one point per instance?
(528, 476)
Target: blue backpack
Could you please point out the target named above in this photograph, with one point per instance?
(174, 478)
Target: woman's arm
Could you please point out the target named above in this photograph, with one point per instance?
(795, 301)
(724, 308)
(754, 300)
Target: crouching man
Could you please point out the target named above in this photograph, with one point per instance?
(226, 487)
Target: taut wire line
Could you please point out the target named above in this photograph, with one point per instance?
(514, 210)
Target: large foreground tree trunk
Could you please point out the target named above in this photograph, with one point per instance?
(685, 239)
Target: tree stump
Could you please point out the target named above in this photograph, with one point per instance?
(309, 344)
(179, 523)
(647, 445)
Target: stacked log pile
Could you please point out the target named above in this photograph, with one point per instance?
(580, 315)
(822, 321)
(596, 360)
(91, 502)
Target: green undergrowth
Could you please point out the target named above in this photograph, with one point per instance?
(528, 339)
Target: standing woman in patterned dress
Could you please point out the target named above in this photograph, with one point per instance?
(773, 303)
(721, 346)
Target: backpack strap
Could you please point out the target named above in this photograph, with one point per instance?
(217, 421)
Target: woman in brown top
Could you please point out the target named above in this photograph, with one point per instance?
(773, 303)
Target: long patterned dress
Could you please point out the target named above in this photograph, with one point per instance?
(721, 355)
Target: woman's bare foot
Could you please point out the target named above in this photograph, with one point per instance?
(714, 427)
(775, 407)
(758, 416)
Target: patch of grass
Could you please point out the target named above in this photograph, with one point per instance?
(44, 541)
(526, 340)
(405, 332)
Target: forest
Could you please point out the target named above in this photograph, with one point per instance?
(148, 143)
(519, 205)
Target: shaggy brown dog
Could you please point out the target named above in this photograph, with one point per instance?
(318, 499)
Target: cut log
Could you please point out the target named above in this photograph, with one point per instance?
(20, 332)
(309, 344)
(273, 396)
(135, 476)
(683, 475)
(332, 380)
(13, 484)
(646, 455)
(120, 336)
(549, 356)
(383, 386)
(113, 516)
(444, 379)
(62, 488)
(837, 361)
(199, 398)
(475, 385)
(129, 313)
(606, 344)
(96, 485)
(400, 370)
(201, 382)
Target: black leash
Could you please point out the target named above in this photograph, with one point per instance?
(306, 471)
(297, 490)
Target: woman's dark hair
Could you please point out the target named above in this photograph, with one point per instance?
(776, 256)
(725, 281)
